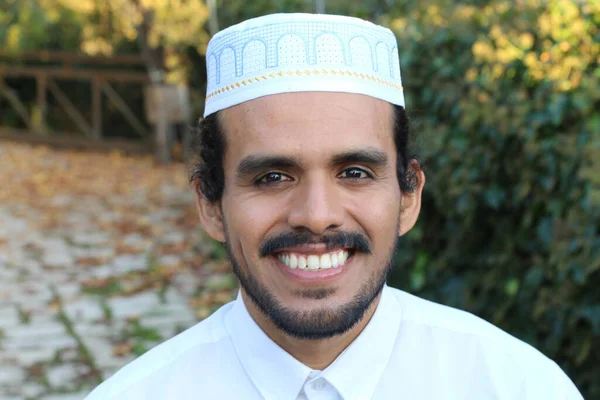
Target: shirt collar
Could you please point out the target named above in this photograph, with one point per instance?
(277, 374)
(274, 372)
(357, 371)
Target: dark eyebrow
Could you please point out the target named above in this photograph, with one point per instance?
(253, 164)
(374, 157)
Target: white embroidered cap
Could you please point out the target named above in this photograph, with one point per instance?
(284, 53)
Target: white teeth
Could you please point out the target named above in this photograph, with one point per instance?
(293, 262)
(302, 262)
(314, 262)
(342, 257)
(325, 261)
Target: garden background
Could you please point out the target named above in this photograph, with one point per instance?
(505, 104)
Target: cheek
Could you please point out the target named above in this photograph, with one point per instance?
(249, 220)
(375, 211)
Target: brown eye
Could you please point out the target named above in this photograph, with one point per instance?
(355, 173)
(272, 178)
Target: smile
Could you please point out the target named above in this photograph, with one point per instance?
(314, 262)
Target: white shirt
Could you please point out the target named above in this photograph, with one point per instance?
(411, 349)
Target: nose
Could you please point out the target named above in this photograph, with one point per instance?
(316, 206)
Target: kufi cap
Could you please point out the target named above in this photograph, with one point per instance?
(283, 53)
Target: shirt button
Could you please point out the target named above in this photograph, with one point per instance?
(319, 384)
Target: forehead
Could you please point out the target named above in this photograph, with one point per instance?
(307, 124)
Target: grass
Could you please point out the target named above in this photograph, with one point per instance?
(37, 373)
(106, 310)
(24, 315)
(113, 287)
(162, 293)
(217, 250)
(152, 263)
(69, 240)
(57, 359)
(141, 337)
(134, 329)
(84, 352)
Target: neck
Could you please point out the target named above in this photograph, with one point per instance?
(316, 354)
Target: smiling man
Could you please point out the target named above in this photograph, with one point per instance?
(304, 173)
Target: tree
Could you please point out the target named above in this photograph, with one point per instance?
(160, 29)
(505, 98)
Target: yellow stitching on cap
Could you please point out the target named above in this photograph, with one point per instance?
(308, 73)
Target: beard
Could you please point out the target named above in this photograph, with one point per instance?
(319, 323)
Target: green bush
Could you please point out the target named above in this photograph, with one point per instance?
(505, 98)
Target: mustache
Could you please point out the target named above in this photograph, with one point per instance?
(354, 240)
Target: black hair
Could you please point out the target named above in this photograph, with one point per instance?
(208, 146)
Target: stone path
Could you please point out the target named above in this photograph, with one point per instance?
(100, 260)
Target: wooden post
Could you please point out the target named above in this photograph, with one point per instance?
(97, 107)
(166, 106)
(213, 21)
(189, 131)
(42, 103)
(320, 6)
(163, 143)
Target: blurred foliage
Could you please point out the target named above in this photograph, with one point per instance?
(506, 99)
(26, 25)
(173, 22)
(234, 11)
(165, 28)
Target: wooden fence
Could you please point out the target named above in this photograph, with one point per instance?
(99, 72)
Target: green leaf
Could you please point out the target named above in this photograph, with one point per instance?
(511, 287)
(494, 196)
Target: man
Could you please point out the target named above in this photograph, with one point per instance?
(304, 173)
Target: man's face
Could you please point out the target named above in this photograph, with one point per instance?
(310, 180)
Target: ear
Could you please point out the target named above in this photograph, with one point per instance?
(411, 202)
(210, 214)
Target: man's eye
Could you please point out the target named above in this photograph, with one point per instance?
(272, 178)
(355, 173)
